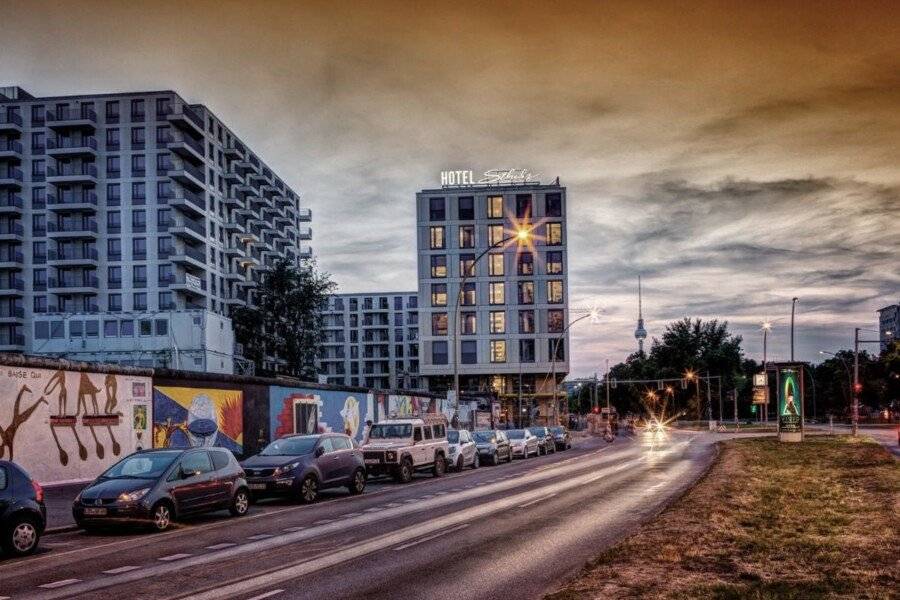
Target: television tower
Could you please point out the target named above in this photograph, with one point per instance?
(640, 334)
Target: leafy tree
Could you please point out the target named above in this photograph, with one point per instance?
(283, 331)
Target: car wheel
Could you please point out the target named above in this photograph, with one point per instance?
(21, 537)
(357, 482)
(476, 462)
(240, 504)
(459, 464)
(440, 466)
(404, 471)
(162, 516)
(309, 489)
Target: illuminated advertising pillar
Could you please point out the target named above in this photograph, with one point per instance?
(790, 403)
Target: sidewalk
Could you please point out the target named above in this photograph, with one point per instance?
(58, 499)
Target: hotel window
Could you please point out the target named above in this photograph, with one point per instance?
(555, 292)
(163, 106)
(466, 265)
(112, 112)
(38, 142)
(554, 234)
(468, 324)
(526, 321)
(557, 347)
(555, 321)
(439, 294)
(553, 206)
(438, 265)
(468, 352)
(498, 351)
(113, 167)
(139, 301)
(38, 115)
(526, 351)
(526, 292)
(498, 321)
(525, 263)
(554, 263)
(139, 220)
(439, 353)
(137, 110)
(112, 139)
(439, 324)
(466, 208)
(495, 234)
(495, 207)
(138, 137)
(496, 293)
(466, 236)
(467, 298)
(523, 206)
(437, 238)
(495, 265)
(138, 165)
(436, 209)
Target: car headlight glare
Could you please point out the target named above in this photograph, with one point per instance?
(133, 496)
(286, 468)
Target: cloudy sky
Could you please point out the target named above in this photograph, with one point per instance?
(734, 154)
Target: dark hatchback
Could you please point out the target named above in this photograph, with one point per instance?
(493, 446)
(561, 437)
(156, 487)
(301, 465)
(23, 515)
(545, 439)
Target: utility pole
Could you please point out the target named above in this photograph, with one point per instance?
(709, 399)
(793, 307)
(735, 392)
(854, 416)
(607, 392)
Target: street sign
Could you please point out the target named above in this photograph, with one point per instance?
(760, 379)
(760, 395)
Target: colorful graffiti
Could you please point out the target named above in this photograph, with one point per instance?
(185, 417)
(303, 410)
(88, 434)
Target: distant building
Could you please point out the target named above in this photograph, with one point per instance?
(888, 324)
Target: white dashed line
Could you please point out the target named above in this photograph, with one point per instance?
(293, 529)
(58, 584)
(431, 537)
(172, 557)
(266, 595)
(260, 536)
(393, 505)
(351, 515)
(536, 500)
(118, 570)
(323, 522)
(221, 546)
(375, 509)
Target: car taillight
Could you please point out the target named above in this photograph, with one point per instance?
(38, 491)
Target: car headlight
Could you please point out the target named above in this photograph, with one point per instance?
(133, 496)
(285, 468)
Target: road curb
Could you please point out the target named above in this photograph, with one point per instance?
(60, 529)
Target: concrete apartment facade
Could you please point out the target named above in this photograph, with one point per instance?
(888, 324)
(371, 340)
(131, 225)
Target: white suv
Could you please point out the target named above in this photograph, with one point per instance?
(463, 451)
(399, 447)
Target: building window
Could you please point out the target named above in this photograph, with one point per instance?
(495, 207)
(498, 321)
(468, 352)
(498, 351)
(113, 194)
(467, 296)
(526, 321)
(525, 263)
(139, 249)
(140, 301)
(495, 264)
(145, 327)
(439, 323)
(554, 263)
(466, 206)
(553, 206)
(162, 327)
(138, 220)
(436, 209)
(466, 236)
(437, 238)
(439, 294)
(555, 292)
(496, 293)
(526, 351)
(523, 206)
(495, 234)
(467, 265)
(126, 328)
(439, 353)
(557, 349)
(468, 324)
(138, 137)
(438, 266)
(554, 234)
(526, 292)
(138, 165)
(112, 112)
(137, 110)
(555, 321)
(110, 329)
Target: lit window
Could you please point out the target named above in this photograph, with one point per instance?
(498, 351)
(439, 265)
(495, 234)
(467, 297)
(466, 265)
(495, 264)
(497, 295)
(526, 292)
(437, 238)
(495, 207)
(554, 234)
(468, 323)
(466, 236)
(498, 321)
(439, 294)
(555, 292)
(439, 324)
(554, 263)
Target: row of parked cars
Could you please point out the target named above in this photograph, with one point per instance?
(156, 487)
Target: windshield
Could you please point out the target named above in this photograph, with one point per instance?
(292, 446)
(383, 431)
(453, 437)
(558, 430)
(515, 434)
(142, 466)
(484, 436)
(538, 431)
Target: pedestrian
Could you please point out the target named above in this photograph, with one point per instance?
(366, 431)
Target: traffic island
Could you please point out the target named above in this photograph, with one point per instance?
(819, 519)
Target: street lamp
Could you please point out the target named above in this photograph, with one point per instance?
(766, 328)
(793, 307)
(691, 376)
(594, 315)
(522, 236)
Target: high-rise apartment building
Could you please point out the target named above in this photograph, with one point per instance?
(888, 325)
(131, 225)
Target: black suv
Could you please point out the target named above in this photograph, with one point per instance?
(545, 439)
(23, 515)
(156, 486)
(492, 446)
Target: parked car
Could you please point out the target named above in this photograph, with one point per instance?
(546, 444)
(156, 487)
(463, 452)
(523, 442)
(561, 438)
(398, 447)
(493, 446)
(23, 515)
(302, 465)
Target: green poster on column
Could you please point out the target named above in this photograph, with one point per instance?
(790, 402)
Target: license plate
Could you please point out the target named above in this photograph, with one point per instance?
(372, 461)
(94, 512)
(257, 486)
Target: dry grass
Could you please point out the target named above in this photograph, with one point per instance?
(770, 520)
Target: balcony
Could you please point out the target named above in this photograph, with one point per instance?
(189, 257)
(235, 150)
(10, 123)
(188, 230)
(11, 205)
(68, 174)
(14, 261)
(72, 229)
(306, 252)
(12, 287)
(85, 285)
(11, 178)
(188, 202)
(305, 233)
(68, 202)
(304, 215)
(11, 314)
(12, 342)
(187, 148)
(185, 118)
(68, 147)
(70, 118)
(80, 257)
(11, 150)
(188, 284)
(234, 178)
(188, 175)
(11, 232)
(237, 301)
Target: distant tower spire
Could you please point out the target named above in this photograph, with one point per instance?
(640, 334)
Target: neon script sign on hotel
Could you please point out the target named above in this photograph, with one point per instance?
(491, 177)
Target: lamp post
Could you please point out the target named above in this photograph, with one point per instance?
(857, 387)
(793, 308)
(521, 235)
(594, 315)
(766, 327)
(690, 375)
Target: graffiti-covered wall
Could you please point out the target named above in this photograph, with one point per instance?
(66, 425)
(403, 406)
(307, 410)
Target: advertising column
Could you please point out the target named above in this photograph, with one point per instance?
(790, 403)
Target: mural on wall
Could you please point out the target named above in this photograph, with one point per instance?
(185, 417)
(309, 411)
(83, 414)
(399, 407)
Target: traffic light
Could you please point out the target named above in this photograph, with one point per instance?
(753, 409)
(857, 387)
(596, 409)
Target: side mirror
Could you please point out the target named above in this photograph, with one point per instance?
(186, 474)
(320, 451)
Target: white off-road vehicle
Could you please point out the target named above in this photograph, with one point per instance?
(399, 447)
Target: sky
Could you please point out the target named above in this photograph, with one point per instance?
(733, 154)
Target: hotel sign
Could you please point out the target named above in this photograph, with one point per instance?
(491, 177)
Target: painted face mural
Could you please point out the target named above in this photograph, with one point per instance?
(197, 417)
(350, 413)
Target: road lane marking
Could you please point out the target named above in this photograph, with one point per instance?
(266, 595)
(58, 584)
(293, 529)
(221, 546)
(536, 500)
(349, 515)
(430, 537)
(260, 536)
(172, 557)
(393, 505)
(118, 570)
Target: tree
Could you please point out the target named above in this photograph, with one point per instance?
(283, 331)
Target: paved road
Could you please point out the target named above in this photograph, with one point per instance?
(514, 530)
